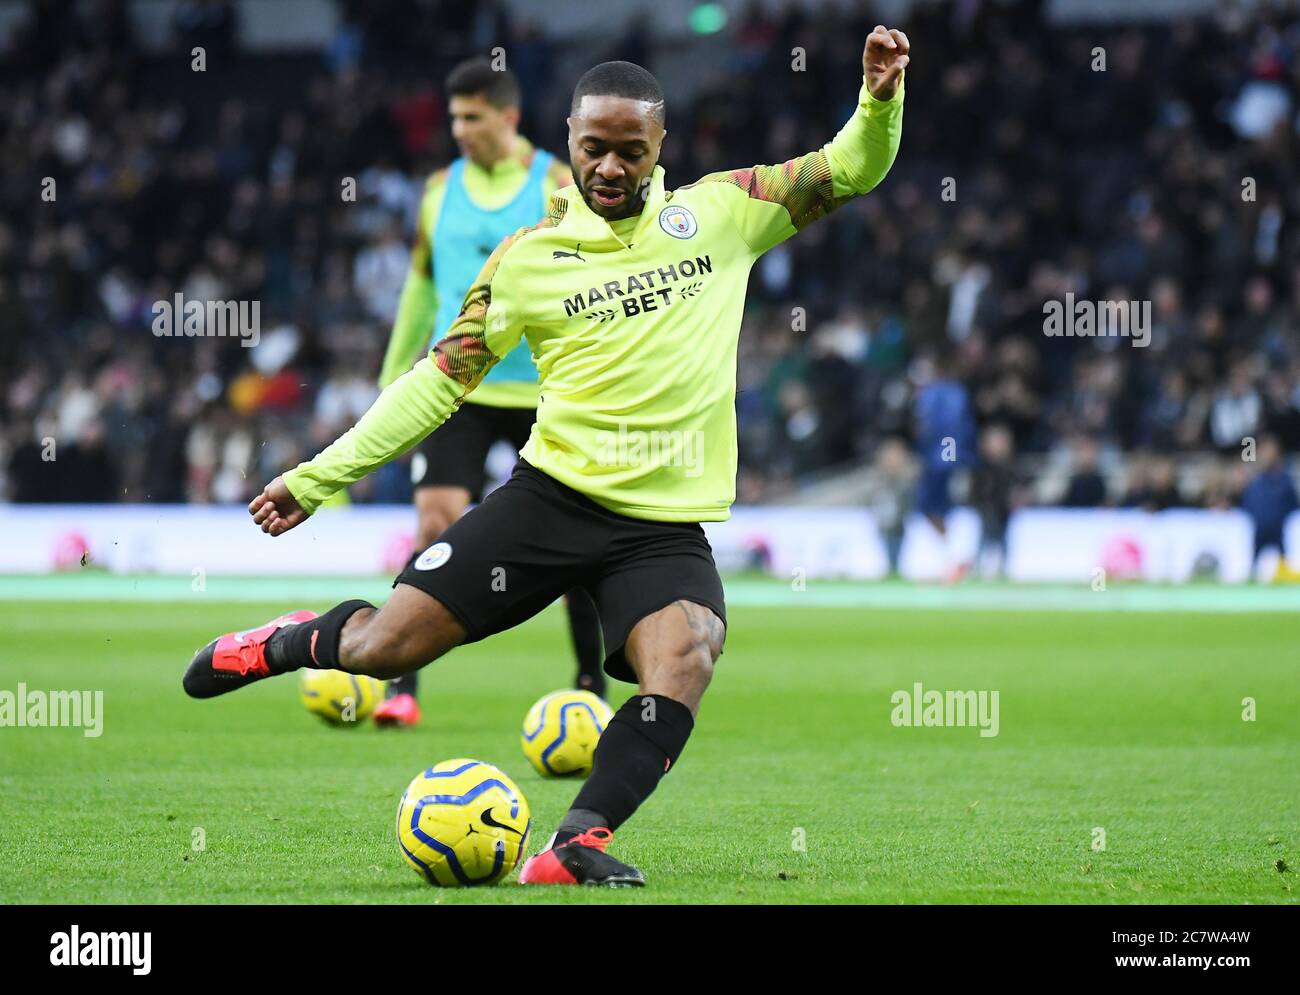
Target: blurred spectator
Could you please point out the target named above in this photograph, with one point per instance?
(1087, 487)
(1237, 410)
(380, 270)
(1224, 483)
(889, 494)
(1152, 486)
(995, 491)
(1269, 497)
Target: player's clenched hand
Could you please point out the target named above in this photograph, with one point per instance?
(275, 509)
(883, 60)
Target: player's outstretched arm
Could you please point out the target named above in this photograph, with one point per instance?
(779, 200)
(407, 410)
(403, 414)
(864, 150)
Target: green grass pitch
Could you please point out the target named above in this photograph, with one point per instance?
(1126, 722)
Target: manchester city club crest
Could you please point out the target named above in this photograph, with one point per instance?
(677, 221)
(434, 557)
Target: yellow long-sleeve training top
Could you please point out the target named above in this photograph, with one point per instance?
(633, 325)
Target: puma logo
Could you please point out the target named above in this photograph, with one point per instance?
(560, 253)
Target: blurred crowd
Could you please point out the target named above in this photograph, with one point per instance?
(1115, 163)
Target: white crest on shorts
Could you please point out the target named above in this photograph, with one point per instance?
(434, 557)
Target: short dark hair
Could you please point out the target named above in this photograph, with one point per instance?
(476, 77)
(620, 79)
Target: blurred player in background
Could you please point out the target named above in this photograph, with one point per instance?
(499, 184)
(945, 438)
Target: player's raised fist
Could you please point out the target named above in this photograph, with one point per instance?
(883, 60)
(275, 509)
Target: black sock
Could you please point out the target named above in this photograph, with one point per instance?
(311, 644)
(584, 628)
(405, 684)
(643, 739)
(576, 822)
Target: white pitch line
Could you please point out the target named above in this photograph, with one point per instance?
(741, 593)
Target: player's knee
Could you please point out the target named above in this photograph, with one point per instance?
(717, 637)
(432, 525)
(697, 664)
(707, 633)
(696, 646)
(438, 511)
(696, 654)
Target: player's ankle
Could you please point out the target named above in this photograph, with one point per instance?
(278, 655)
(576, 822)
(403, 684)
(314, 643)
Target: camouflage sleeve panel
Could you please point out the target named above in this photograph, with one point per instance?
(780, 200)
(777, 200)
(463, 353)
(801, 185)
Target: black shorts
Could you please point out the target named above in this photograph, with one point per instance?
(456, 454)
(533, 539)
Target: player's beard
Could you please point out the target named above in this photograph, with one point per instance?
(633, 202)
